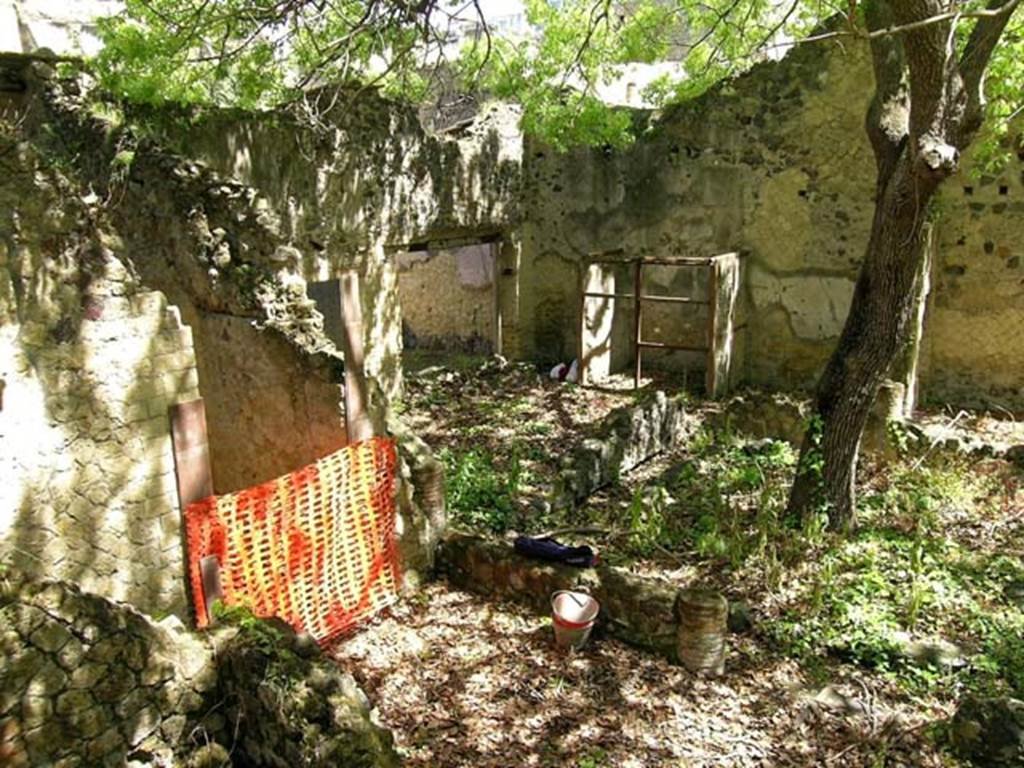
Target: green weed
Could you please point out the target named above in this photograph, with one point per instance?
(901, 576)
(479, 494)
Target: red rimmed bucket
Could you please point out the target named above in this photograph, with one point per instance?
(573, 615)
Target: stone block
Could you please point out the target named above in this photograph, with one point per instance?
(108, 744)
(72, 701)
(157, 407)
(36, 710)
(46, 741)
(48, 680)
(149, 303)
(50, 637)
(135, 412)
(702, 617)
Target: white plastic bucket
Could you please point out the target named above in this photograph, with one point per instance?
(573, 615)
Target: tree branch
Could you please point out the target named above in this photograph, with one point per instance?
(974, 61)
(936, 94)
(888, 116)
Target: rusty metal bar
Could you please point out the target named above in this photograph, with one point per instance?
(682, 261)
(637, 309)
(593, 295)
(673, 347)
(675, 300)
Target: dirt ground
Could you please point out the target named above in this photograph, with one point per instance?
(465, 682)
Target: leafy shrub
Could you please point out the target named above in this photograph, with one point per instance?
(480, 495)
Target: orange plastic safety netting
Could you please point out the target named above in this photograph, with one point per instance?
(315, 547)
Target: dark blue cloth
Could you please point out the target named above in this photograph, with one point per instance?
(552, 551)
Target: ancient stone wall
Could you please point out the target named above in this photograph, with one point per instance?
(772, 164)
(355, 190)
(348, 194)
(90, 361)
(776, 164)
(271, 379)
(651, 613)
(85, 681)
(124, 286)
(973, 353)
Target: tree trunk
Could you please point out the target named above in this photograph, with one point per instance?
(928, 105)
(875, 331)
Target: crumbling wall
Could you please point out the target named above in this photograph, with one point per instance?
(354, 189)
(90, 361)
(271, 379)
(129, 277)
(85, 681)
(777, 164)
(348, 192)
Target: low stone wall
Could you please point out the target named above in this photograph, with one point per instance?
(291, 706)
(638, 610)
(85, 681)
(760, 415)
(629, 437)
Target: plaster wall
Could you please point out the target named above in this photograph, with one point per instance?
(285, 414)
(448, 298)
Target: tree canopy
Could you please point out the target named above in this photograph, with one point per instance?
(262, 53)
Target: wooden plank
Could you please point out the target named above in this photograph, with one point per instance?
(338, 301)
(191, 447)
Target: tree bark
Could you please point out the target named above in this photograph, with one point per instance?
(926, 109)
(875, 330)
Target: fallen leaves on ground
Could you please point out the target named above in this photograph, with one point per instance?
(466, 682)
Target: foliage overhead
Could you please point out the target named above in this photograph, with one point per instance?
(260, 53)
